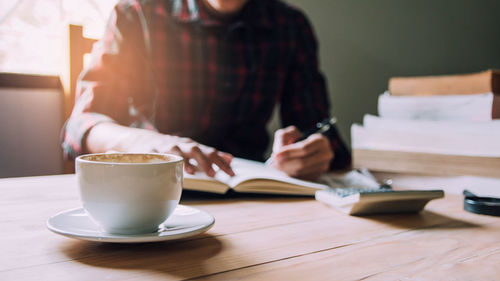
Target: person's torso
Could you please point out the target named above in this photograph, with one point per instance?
(218, 81)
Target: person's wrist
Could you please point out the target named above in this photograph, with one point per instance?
(138, 140)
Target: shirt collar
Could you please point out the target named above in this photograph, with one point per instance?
(254, 13)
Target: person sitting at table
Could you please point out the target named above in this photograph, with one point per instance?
(200, 78)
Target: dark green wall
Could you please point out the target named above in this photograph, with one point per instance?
(364, 43)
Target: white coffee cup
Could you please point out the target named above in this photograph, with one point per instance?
(129, 193)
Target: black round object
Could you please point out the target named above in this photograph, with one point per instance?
(482, 205)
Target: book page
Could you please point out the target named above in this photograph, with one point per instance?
(247, 170)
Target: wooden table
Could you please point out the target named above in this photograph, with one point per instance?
(253, 239)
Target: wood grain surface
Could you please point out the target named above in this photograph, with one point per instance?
(254, 238)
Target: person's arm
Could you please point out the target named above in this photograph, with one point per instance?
(107, 136)
(303, 104)
(115, 94)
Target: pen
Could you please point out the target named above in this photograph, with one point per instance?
(322, 127)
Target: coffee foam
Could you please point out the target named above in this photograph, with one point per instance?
(129, 158)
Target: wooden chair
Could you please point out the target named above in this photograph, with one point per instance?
(77, 47)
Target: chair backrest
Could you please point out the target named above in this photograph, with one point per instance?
(77, 47)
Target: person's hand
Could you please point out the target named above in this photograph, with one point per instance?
(110, 136)
(204, 156)
(306, 159)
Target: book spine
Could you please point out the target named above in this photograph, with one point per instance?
(460, 84)
(495, 109)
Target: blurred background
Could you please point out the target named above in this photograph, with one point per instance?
(34, 55)
(362, 45)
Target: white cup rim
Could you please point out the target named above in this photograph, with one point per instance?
(176, 159)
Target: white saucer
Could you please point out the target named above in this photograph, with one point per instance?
(184, 222)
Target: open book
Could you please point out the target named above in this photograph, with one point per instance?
(251, 177)
(257, 177)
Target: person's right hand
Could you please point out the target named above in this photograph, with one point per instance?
(110, 136)
(306, 159)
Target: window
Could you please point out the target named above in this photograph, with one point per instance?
(32, 32)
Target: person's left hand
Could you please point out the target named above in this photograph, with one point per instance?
(306, 159)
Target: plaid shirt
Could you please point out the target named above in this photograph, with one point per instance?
(177, 67)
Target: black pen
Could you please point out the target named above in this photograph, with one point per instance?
(322, 127)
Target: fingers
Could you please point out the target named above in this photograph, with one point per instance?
(307, 159)
(211, 156)
(188, 167)
(204, 156)
(296, 167)
(315, 169)
(226, 156)
(306, 147)
(203, 162)
(222, 162)
(196, 156)
(285, 136)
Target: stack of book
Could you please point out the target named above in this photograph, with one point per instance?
(443, 125)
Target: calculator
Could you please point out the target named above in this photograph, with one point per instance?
(368, 201)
